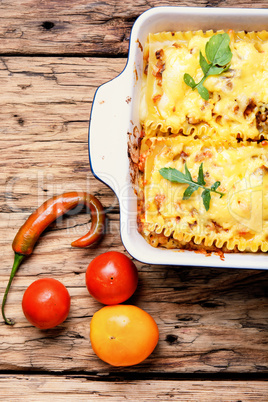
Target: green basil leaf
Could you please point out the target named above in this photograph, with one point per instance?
(189, 80)
(219, 55)
(215, 185)
(203, 63)
(203, 92)
(218, 51)
(214, 70)
(189, 191)
(201, 179)
(187, 173)
(174, 175)
(225, 58)
(206, 199)
(226, 68)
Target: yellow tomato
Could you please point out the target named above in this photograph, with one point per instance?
(123, 335)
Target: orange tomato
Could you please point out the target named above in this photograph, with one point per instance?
(123, 335)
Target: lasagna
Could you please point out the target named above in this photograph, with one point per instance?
(225, 135)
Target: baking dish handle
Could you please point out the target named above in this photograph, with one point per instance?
(109, 124)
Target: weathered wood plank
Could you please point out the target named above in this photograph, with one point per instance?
(210, 320)
(69, 388)
(81, 27)
(205, 324)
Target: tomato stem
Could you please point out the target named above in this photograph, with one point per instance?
(17, 261)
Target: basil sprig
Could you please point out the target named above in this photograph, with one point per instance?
(176, 176)
(219, 55)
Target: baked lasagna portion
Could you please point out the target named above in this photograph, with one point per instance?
(203, 151)
(238, 98)
(237, 221)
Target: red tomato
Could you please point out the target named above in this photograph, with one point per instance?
(123, 335)
(46, 303)
(111, 278)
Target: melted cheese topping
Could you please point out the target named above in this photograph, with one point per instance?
(238, 102)
(224, 133)
(237, 220)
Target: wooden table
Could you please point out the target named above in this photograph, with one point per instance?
(212, 322)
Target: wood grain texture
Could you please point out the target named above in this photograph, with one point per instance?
(203, 328)
(85, 27)
(210, 320)
(213, 322)
(82, 388)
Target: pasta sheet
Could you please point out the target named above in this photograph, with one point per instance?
(238, 102)
(237, 220)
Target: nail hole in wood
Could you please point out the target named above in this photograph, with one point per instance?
(171, 339)
(48, 25)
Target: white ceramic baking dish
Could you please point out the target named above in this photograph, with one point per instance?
(114, 115)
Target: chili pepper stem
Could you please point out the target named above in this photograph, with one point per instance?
(17, 261)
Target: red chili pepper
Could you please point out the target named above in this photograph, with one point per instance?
(47, 213)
